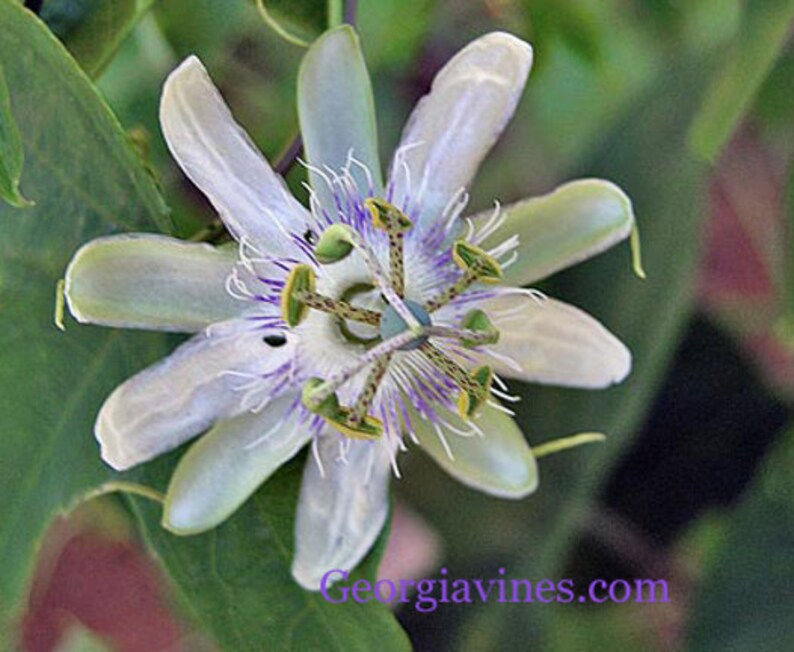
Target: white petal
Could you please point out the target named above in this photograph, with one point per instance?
(578, 220)
(337, 112)
(340, 515)
(184, 394)
(151, 281)
(453, 127)
(555, 343)
(224, 467)
(217, 155)
(499, 462)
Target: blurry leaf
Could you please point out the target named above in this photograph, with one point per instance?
(784, 328)
(236, 578)
(574, 22)
(86, 182)
(774, 104)
(709, 23)
(93, 30)
(746, 602)
(300, 21)
(648, 158)
(11, 152)
(764, 29)
(392, 31)
(606, 627)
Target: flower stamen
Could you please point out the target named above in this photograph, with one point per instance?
(299, 295)
(364, 400)
(391, 219)
(477, 265)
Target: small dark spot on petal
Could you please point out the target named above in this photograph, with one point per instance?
(274, 340)
(310, 237)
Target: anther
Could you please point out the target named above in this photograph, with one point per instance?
(477, 265)
(470, 402)
(484, 332)
(301, 280)
(339, 417)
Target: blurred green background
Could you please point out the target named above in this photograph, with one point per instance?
(689, 106)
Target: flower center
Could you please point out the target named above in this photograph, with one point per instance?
(403, 326)
(391, 324)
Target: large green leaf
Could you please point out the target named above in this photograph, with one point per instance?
(746, 600)
(765, 28)
(85, 181)
(93, 30)
(236, 581)
(11, 152)
(648, 158)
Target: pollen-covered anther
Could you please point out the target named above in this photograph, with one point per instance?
(367, 428)
(387, 217)
(319, 401)
(476, 262)
(472, 398)
(478, 266)
(301, 280)
(479, 329)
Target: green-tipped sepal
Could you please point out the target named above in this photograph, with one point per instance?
(471, 400)
(476, 262)
(300, 280)
(334, 244)
(479, 322)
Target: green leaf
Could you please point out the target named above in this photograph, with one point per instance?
(86, 181)
(647, 157)
(300, 22)
(236, 578)
(392, 31)
(93, 30)
(764, 30)
(11, 153)
(745, 602)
